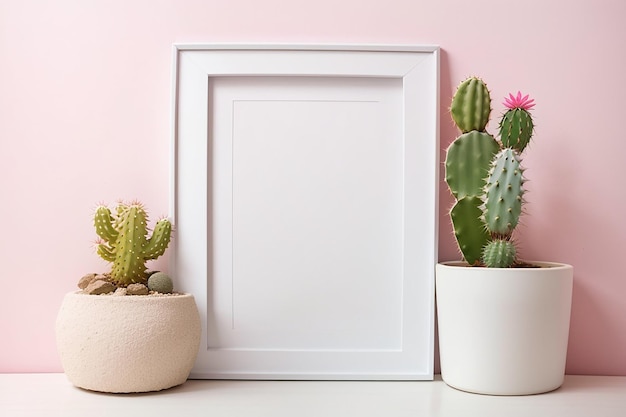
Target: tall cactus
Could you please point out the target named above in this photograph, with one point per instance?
(125, 241)
(502, 196)
(485, 176)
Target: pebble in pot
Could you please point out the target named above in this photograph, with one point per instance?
(160, 282)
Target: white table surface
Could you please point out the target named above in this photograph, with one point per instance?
(52, 395)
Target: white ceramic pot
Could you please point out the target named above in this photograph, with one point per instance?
(503, 331)
(127, 343)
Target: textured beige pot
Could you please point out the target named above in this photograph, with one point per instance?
(503, 331)
(127, 344)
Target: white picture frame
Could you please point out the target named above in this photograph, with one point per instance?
(304, 202)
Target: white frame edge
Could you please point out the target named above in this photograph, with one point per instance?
(434, 148)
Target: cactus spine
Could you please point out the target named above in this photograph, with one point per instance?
(125, 241)
(485, 176)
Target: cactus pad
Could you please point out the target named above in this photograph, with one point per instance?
(471, 105)
(467, 163)
(469, 230)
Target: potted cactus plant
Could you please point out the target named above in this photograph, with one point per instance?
(503, 322)
(127, 330)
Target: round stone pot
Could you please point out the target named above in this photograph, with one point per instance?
(503, 331)
(123, 344)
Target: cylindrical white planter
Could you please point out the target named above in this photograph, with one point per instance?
(503, 331)
(127, 343)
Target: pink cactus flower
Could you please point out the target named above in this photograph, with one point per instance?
(518, 102)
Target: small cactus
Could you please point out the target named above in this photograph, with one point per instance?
(499, 253)
(485, 176)
(124, 241)
(516, 126)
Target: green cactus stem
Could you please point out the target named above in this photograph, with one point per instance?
(125, 242)
(503, 194)
(471, 105)
(516, 129)
(468, 161)
(499, 253)
(469, 230)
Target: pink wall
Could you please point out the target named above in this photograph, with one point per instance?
(85, 117)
